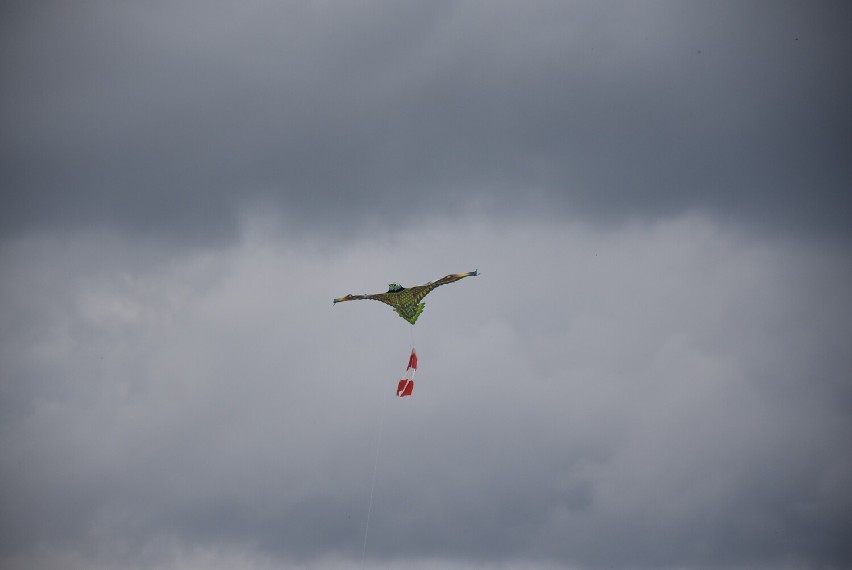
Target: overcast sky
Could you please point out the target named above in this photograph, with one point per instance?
(652, 371)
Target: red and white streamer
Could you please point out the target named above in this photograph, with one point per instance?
(406, 385)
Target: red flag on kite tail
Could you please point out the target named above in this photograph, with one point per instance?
(405, 388)
(406, 385)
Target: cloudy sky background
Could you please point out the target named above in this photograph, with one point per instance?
(652, 371)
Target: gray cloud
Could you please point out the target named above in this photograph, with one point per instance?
(652, 370)
(665, 395)
(171, 120)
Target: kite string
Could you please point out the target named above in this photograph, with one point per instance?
(373, 481)
(376, 466)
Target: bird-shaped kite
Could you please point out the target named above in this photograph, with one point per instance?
(408, 304)
(407, 301)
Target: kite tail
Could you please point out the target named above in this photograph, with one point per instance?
(406, 385)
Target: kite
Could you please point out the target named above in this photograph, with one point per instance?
(407, 301)
(408, 304)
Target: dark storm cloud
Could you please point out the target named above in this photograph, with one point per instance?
(669, 390)
(173, 118)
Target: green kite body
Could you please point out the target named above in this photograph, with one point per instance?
(407, 301)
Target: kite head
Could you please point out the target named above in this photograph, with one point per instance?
(340, 299)
(394, 287)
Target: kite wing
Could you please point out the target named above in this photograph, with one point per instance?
(377, 297)
(420, 291)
